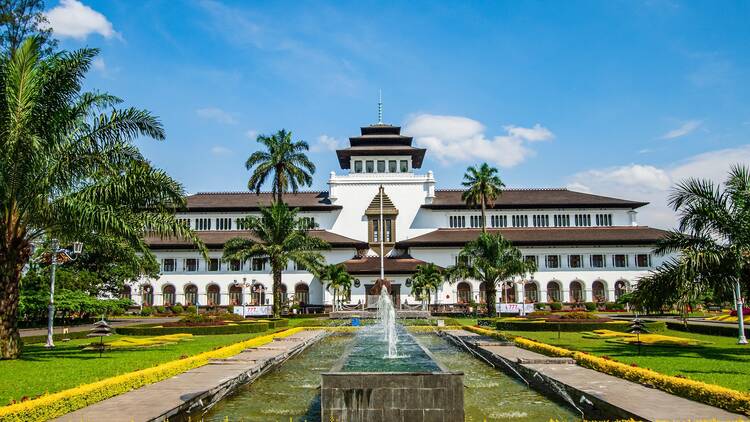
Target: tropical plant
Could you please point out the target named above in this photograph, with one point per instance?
(280, 236)
(490, 259)
(426, 279)
(21, 19)
(483, 187)
(712, 239)
(338, 280)
(284, 160)
(69, 168)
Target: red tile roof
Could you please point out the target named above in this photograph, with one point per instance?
(534, 198)
(249, 201)
(371, 265)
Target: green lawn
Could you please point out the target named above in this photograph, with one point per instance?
(40, 370)
(722, 362)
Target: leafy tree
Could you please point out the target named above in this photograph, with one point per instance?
(490, 259)
(284, 160)
(21, 19)
(280, 236)
(339, 281)
(484, 186)
(69, 169)
(427, 278)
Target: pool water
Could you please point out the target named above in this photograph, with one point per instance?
(369, 353)
(291, 393)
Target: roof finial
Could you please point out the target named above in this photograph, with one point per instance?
(380, 107)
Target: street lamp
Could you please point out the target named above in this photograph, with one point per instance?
(67, 256)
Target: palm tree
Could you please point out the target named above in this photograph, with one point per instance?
(490, 259)
(484, 186)
(339, 281)
(69, 169)
(280, 236)
(285, 160)
(427, 278)
(713, 235)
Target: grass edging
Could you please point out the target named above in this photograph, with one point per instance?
(711, 394)
(57, 404)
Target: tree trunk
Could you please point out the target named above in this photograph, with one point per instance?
(490, 294)
(279, 187)
(276, 291)
(12, 262)
(484, 222)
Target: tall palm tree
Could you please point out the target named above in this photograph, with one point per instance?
(713, 235)
(483, 187)
(284, 160)
(280, 236)
(490, 259)
(69, 168)
(426, 279)
(338, 280)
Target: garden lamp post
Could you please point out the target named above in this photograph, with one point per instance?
(740, 314)
(58, 256)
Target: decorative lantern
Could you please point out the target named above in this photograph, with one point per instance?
(101, 329)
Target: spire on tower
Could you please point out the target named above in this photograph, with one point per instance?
(380, 107)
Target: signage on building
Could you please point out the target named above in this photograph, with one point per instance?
(263, 310)
(514, 308)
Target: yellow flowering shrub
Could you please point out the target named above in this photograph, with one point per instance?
(647, 339)
(132, 342)
(57, 404)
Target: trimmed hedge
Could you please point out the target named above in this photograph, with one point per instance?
(540, 325)
(56, 337)
(711, 330)
(57, 404)
(155, 330)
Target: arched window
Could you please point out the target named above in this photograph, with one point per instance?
(464, 292)
(553, 292)
(621, 287)
(598, 291)
(284, 294)
(126, 292)
(191, 295)
(302, 293)
(532, 293)
(235, 295)
(259, 294)
(576, 291)
(147, 295)
(482, 293)
(214, 295)
(168, 295)
(509, 292)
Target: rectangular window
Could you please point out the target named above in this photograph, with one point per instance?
(387, 223)
(583, 220)
(575, 261)
(499, 221)
(258, 264)
(540, 220)
(476, 221)
(457, 221)
(191, 264)
(308, 223)
(235, 265)
(381, 166)
(370, 166)
(358, 166)
(463, 260)
(404, 166)
(214, 264)
(375, 230)
(299, 267)
(520, 220)
(203, 224)
(643, 260)
(604, 219)
(597, 261)
(168, 264)
(392, 166)
(553, 261)
(620, 261)
(531, 258)
(562, 220)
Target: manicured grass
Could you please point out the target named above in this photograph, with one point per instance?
(722, 362)
(40, 370)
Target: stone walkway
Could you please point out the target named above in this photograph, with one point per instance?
(593, 389)
(196, 388)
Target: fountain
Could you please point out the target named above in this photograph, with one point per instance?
(387, 322)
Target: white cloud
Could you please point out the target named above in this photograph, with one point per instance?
(73, 19)
(252, 134)
(216, 114)
(325, 143)
(458, 138)
(653, 184)
(684, 129)
(219, 150)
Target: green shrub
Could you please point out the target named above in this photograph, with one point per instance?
(555, 306)
(161, 310)
(486, 322)
(152, 330)
(178, 309)
(191, 309)
(652, 326)
(711, 330)
(147, 311)
(540, 306)
(590, 306)
(614, 306)
(578, 315)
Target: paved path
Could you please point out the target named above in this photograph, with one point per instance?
(197, 387)
(638, 400)
(26, 332)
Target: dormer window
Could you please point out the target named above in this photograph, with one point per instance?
(381, 166)
(358, 166)
(392, 166)
(369, 166)
(404, 166)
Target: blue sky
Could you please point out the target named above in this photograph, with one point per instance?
(621, 98)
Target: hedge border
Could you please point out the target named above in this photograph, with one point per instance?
(56, 337)
(653, 326)
(710, 394)
(57, 404)
(153, 330)
(711, 330)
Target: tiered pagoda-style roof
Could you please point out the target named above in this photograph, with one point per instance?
(379, 140)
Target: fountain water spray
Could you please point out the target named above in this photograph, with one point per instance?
(387, 322)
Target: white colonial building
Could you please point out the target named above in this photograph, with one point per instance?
(587, 247)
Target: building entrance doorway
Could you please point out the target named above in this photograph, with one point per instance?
(373, 294)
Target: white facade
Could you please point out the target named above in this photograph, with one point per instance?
(427, 223)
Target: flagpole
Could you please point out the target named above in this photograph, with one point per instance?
(382, 236)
